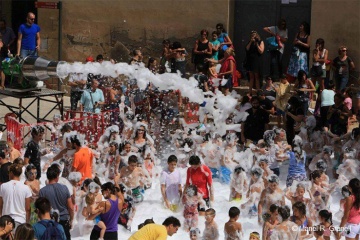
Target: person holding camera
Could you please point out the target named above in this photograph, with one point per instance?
(254, 51)
(93, 99)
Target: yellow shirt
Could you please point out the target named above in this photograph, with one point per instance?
(150, 232)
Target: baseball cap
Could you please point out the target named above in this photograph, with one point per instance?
(89, 59)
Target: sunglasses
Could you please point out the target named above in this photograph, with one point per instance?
(32, 19)
(140, 130)
(344, 50)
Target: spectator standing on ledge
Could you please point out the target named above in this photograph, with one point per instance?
(28, 37)
(7, 37)
(276, 55)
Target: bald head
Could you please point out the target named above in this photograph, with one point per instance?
(30, 18)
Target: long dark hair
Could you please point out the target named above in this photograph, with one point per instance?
(354, 185)
(306, 27)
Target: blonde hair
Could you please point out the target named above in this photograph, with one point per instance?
(340, 49)
(230, 51)
(90, 198)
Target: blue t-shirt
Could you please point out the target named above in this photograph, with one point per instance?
(39, 229)
(221, 39)
(215, 54)
(296, 167)
(88, 102)
(28, 41)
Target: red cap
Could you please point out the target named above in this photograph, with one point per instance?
(90, 59)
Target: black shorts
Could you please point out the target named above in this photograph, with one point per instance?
(207, 202)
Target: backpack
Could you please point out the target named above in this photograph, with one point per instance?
(51, 231)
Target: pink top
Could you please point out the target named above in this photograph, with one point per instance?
(348, 103)
(354, 215)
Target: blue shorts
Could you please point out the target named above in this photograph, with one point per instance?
(97, 219)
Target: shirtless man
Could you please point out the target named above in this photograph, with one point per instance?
(132, 177)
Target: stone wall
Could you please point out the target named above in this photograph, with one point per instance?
(113, 28)
(338, 23)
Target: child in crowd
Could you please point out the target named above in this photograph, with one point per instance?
(170, 181)
(113, 160)
(298, 196)
(255, 189)
(239, 184)
(264, 164)
(345, 192)
(270, 221)
(254, 236)
(211, 231)
(93, 208)
(318, 233)
(325, 218)
(194, 234)
(318, 193)
(233, 229)
(191, 200)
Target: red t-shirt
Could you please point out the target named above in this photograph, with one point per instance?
(83, 162)
(201, 178)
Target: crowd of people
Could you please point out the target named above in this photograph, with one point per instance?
(156, 135)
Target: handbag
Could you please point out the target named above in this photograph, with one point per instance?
(316, 71)
(271, 43)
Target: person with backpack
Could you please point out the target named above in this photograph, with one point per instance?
(46, 228)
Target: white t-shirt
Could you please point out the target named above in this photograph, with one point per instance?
(171, 181)
(13, 194)
(281, 33)
(327, 97)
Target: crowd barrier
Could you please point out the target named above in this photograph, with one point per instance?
(89, 124)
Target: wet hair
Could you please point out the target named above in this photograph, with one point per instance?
(300, 185)
(195, 231)
(306, 26)
(194, 160)
(148, 221)
(192, 189)
(315, 174)
(239, 169)
(74, 140)
(273, 208)
(211, 211)
(28, 170)
(327, 215)
(172, 221)
(43, 205)
(345, 191)
(90, 198)
(37, 130)
(301, 207)
(24, 232)
(273, 178)
(15, 169)
(132, 159)
(284, 212)
(66, 128)
(172, 158)
(86, 183)
(52, 172)
(234, 212)
(256, 171)
(354, 185)
(114, 144)
(321, 165)
(108, 186)
(188, 141)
